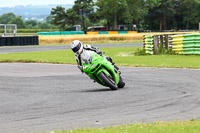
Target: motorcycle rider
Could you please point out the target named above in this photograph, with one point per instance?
(78, 48)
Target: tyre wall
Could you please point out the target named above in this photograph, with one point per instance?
(186, 44)
(19, 41)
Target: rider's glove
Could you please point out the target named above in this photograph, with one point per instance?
(99, 53)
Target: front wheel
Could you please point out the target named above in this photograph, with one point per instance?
(121, 83)
(108, 81)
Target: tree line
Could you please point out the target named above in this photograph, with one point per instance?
(146, 14)
(11, 18)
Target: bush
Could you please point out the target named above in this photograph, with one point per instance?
(164, 51)
(161, 51)
(140, 52)
(35, 30)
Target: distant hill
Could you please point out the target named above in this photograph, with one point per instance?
(39, 12)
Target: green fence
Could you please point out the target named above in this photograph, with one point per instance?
(148, 44)
(186, 44)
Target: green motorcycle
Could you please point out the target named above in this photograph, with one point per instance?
(101, 70)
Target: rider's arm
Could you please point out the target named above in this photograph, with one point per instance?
(89, 47)
(79, 63)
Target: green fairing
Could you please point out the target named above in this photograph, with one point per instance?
(100, 64)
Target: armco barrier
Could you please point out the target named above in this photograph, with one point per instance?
(19, 41)
(186, 43)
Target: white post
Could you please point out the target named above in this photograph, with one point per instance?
(15, 34)
(5, 26)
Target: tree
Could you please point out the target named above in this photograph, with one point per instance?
(124, 11)
(188, 14)
(31, 23)
(5, 18)
(59, 16)
(174, 14)
(140, 9)
(146, 14)
(161, 17)
(44, 26)
(49, 19)
(83, 8)
(17, 20)
(110, 9)
(72, 17)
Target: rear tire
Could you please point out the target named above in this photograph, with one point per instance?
(109, 82)
(121, 83)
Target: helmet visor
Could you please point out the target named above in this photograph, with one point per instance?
(76, 49)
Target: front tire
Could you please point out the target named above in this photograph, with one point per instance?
(109, 82)
(121, 83)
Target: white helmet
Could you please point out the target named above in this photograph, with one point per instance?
(77, 47)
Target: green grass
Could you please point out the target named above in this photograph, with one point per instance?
(58, 56)
(192, 126)
(123, 56)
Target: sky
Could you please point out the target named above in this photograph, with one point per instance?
(11, 3)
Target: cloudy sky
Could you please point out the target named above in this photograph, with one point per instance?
(11, 3)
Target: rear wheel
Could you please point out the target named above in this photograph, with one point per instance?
(108, 81)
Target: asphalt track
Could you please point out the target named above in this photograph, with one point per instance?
(48, 97)
(5, 50)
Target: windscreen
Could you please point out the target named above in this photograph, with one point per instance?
(86, 56)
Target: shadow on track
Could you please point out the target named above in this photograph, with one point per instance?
(98, 90)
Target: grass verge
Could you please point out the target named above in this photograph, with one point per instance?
(124, 56)
(192, 126)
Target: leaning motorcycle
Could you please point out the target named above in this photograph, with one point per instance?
(101, 70)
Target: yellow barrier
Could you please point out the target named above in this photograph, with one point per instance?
(132, 32)
(112, 32)
(93, 32)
